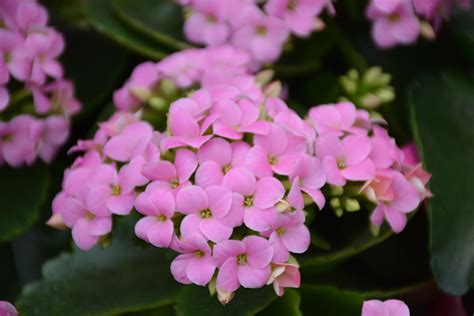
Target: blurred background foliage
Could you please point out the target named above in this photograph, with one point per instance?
(45, 275)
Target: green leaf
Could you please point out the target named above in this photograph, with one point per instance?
(123, 277)
(103, 19)
(443, 120)
(162, 21)
(196, 301)
(288, 305)
(24, 190)
(462, 27)
(328, 300)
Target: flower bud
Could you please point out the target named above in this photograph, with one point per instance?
(351, 205)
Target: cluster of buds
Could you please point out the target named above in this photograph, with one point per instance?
(370, 90)
(260, 29)
(226, 183)
(34, 120)
(398, 21)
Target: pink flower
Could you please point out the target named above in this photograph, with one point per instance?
(131, 142)
(289, 234)
(183, 68)
(245, 263)
(299, 15)
(394, 22)
(169, 175)
(262, 35)
(403, 199)
(205, 211)
(207, 23)
(55, 133)
(110, 191)
(156, 227)
(143, 79)
(195, 264)
(4, 97)
(216, 158)
(387, 308)
(30, 16)
(335, 119)
(235, 119)
(255, 199)
(308, 176)
(276, 152)
(384, 151)
(436, 11)
(7, 309)
(284, 275)
(87, 225)
(345, 159)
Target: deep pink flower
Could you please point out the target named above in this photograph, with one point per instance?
(284, 275)
(394, 22)
(289, 234)
(345, 159)
(255, 199)
(387, 308)
(245, 263)
(156, 227)
(404, 199)
(278, 152)
(205, 211)
(307, 176)
(195, 264)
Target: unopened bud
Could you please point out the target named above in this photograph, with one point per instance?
(372, 76)
(374, 230)
(339, 211)
(224, 297)
(273, 89)
(212, 286)
(385, 79)
(348, 85)
(427, 30)
(282, 206)
(264, 76)
(158, 103)
(168, 87)
(353, 75)
(336, 190)
(351, 205)
(319, 25)
(143, 94)
(56, 221)
(386, 95)
(335, 203)
(370, 101)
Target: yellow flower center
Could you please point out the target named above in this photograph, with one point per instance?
(242, 259)
(248, 201)
(206, 213)
(116, 190)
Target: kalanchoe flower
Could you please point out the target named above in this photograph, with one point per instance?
(284, 275)
(245, 263)
(7, 309)
(389, 307)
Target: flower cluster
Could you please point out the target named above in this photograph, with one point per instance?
(34, 121)
(261, 30)
(398, 21)
(225, 185)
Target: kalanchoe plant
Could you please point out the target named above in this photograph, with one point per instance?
(34, 119)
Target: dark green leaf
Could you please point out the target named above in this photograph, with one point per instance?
(24, 190)
(462, 26)
(196, 301)
(102, 18)
(443, 117)
(124, 277)
(327, 300)
(288, 305)
(161, 20)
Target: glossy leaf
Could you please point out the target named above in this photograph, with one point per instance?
(162, 21)
(462, 27)
(24, 190)
(443, 119)
(288, 305)
(196, 301)
(103, 19)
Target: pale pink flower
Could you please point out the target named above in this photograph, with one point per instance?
(195, 264)
(284, 275)
(307, 176)
(336, 119)
(255, 199)
(387, 308)
(394, 22)
(156, 227)
(207, 24)
(345, 159)
(87, 225)
(131, 142)
(384, 152)
(216, 158)
(289, 234)
(245, 263)
(278, 152)
(30, 16)
(117, 123)
(263, 36)
(205, 211)
(404, 199)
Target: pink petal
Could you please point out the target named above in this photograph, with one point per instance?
(295, 197)
(240, 180)
(227, 279)
(257, 162)
(227, 249)
(100, 226)
(220, 200)
(190, 225)
(280, 253)
(121, 204)
(179, 266)
(185, 162)
(258, 219)
(329, 145)
(296, 239)
(143, 226)
(191, 199)
(209, 173)
(217, 150)
(406, 196)
(374, 308)
(275, 143)
(160, 233)
(397, 307)
(253, 278)
(317, 196)
(259, 251)
(235, 217)
(200, 270)
(81, 236)
(214, 230)
(96, 201)
(268, 192)
(360, 172)
(164, 201)
(356, 149)
(396, 220)
(182, 124)
(160, 170)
